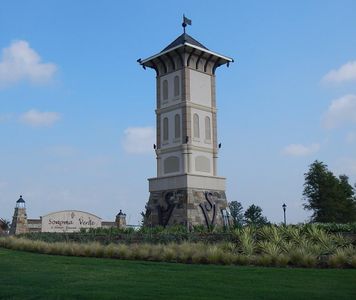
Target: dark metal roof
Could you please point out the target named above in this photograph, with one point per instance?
(121, 213)
(20, 200)
(184, 38)
(179, 45)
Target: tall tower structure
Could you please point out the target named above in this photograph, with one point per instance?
(187, 189)
(19, 220)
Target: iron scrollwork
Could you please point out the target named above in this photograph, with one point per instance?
(209, 206)
(165, 212)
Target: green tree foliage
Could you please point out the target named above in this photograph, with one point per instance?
(331, 198)
(253, 216)
(4, 224)
(237, 215)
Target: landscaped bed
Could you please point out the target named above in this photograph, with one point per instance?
(265, 246)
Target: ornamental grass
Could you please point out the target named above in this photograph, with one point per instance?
(266, 246)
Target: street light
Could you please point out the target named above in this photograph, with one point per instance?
(284, 213)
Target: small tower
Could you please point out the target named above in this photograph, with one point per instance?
(187, 189)
(19, 220)
(120, 220)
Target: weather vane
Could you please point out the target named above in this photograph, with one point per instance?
(186, 22)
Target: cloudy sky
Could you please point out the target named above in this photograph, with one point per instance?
(77, 111)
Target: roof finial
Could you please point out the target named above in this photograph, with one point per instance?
(186, 22)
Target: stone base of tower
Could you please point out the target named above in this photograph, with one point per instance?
(187, 200)
(19, 222)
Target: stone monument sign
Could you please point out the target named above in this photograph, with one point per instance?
(69, 221)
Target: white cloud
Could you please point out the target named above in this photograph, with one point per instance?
(38, 119)
(346, 72)
(300, 150)
(340, 111)
(139, 140)
(21, 62)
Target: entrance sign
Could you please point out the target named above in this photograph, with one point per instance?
(69, 221)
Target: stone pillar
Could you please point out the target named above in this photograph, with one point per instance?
(120, 220)
(19, 220)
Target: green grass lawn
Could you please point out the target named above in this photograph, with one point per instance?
(36, 276)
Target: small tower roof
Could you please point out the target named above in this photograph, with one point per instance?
(182, 40)
(184, 44)
(20, 200)
(121, 213)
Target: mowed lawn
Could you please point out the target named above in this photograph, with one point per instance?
(36, 276)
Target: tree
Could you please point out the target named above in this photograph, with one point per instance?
(330, 198)
(253, 216)
(236, 213)
(145, 214)
(4, 225)
(346, 200)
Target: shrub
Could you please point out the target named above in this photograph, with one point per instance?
(179, 234)
(214, 255)
(270, 248)
(185, 253)
(271, 233)
(264, 260)
(169, 254)
(303, 246)
(353, 261)
(335, 227)
(282, 260)
(247, 244)
(292, 233)
(242, 260)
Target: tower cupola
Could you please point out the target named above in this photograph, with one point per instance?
(20, 203)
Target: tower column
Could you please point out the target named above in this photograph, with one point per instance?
(187, 189)
(19, 220)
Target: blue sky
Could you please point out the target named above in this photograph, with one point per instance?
(73, 99)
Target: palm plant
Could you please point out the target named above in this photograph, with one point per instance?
(342, 257)
(287, 246)
(247, 244)
(270, 248)
(271, 234)
(341, 241)
(292, 233)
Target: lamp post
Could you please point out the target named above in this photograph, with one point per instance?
(284, 213)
